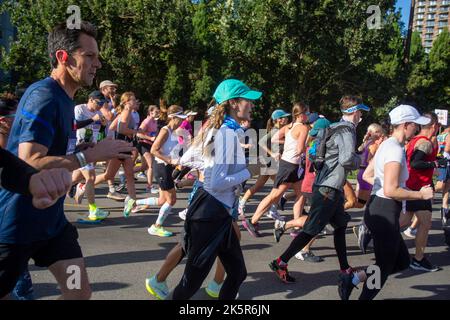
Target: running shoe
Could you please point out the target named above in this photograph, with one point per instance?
(308, 256)
(281, 272)
(410, 232)
(98, 215)
(159, 231)
(278, 230)
(24, 288)
(139, 208)
(345, 285)
(160, 290)
(122, 187)
(251, 228)
(273, 214)
(364, 237)
(182, 214)
(241, 211)
(79, 194)
(213, 289)
(115, 196)
(141, 176)
(423, 265)
(154, 190)
(128, 206)
(445, 215)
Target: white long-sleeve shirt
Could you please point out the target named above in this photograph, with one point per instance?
(225, 169)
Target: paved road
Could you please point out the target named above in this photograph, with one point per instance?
(120, 254)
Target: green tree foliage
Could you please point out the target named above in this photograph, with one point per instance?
(440, 70)
(311, 50)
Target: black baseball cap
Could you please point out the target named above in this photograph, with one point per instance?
(97, 95)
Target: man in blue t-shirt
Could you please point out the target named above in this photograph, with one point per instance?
(43, 135)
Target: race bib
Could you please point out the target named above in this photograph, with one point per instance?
(72, 142)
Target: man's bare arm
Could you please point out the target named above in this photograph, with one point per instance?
(35, 155)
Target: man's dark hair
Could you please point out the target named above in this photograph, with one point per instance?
(62, 38)
(434, 119)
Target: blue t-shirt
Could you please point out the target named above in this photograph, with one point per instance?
(45, 115)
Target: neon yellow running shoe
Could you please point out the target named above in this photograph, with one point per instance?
(128, 206)
(157, 289)
(98, 214)
(213, 289)
(159, 231)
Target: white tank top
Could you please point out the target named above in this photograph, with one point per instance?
(290, 153)
(168, 146)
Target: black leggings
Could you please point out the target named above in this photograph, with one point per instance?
(391, 254)
(229, 252)
(327, 207)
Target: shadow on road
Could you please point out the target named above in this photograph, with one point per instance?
(42, 290)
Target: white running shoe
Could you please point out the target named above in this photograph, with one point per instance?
(182, 214)
(410, 233)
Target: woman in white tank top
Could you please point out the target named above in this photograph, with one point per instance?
(290, 171)
(166, 158)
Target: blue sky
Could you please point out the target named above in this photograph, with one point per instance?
(404, 5)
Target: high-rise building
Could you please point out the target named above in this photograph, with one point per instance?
(430, 18)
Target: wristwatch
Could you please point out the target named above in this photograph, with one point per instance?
(81, 159)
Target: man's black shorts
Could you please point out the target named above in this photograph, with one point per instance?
(419, 205)
(327, 206)
(14, 257)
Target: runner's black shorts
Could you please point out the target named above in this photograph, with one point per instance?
(287, 173)
(14, 257)
(143, 147)
(327, 206)
(419, 205)
(163, 174)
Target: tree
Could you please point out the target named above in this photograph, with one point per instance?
(180, 50)
(440, 71)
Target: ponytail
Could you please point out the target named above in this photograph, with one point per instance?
(163, 110)
(270, 125)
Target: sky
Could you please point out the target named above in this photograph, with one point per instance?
(405, 6)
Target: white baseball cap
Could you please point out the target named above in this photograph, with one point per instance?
(107, 83)
(178, 114)
(405, 113)
(191, 113)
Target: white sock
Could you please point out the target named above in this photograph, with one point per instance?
(111, 189)
(147, 202)
(163, 213)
